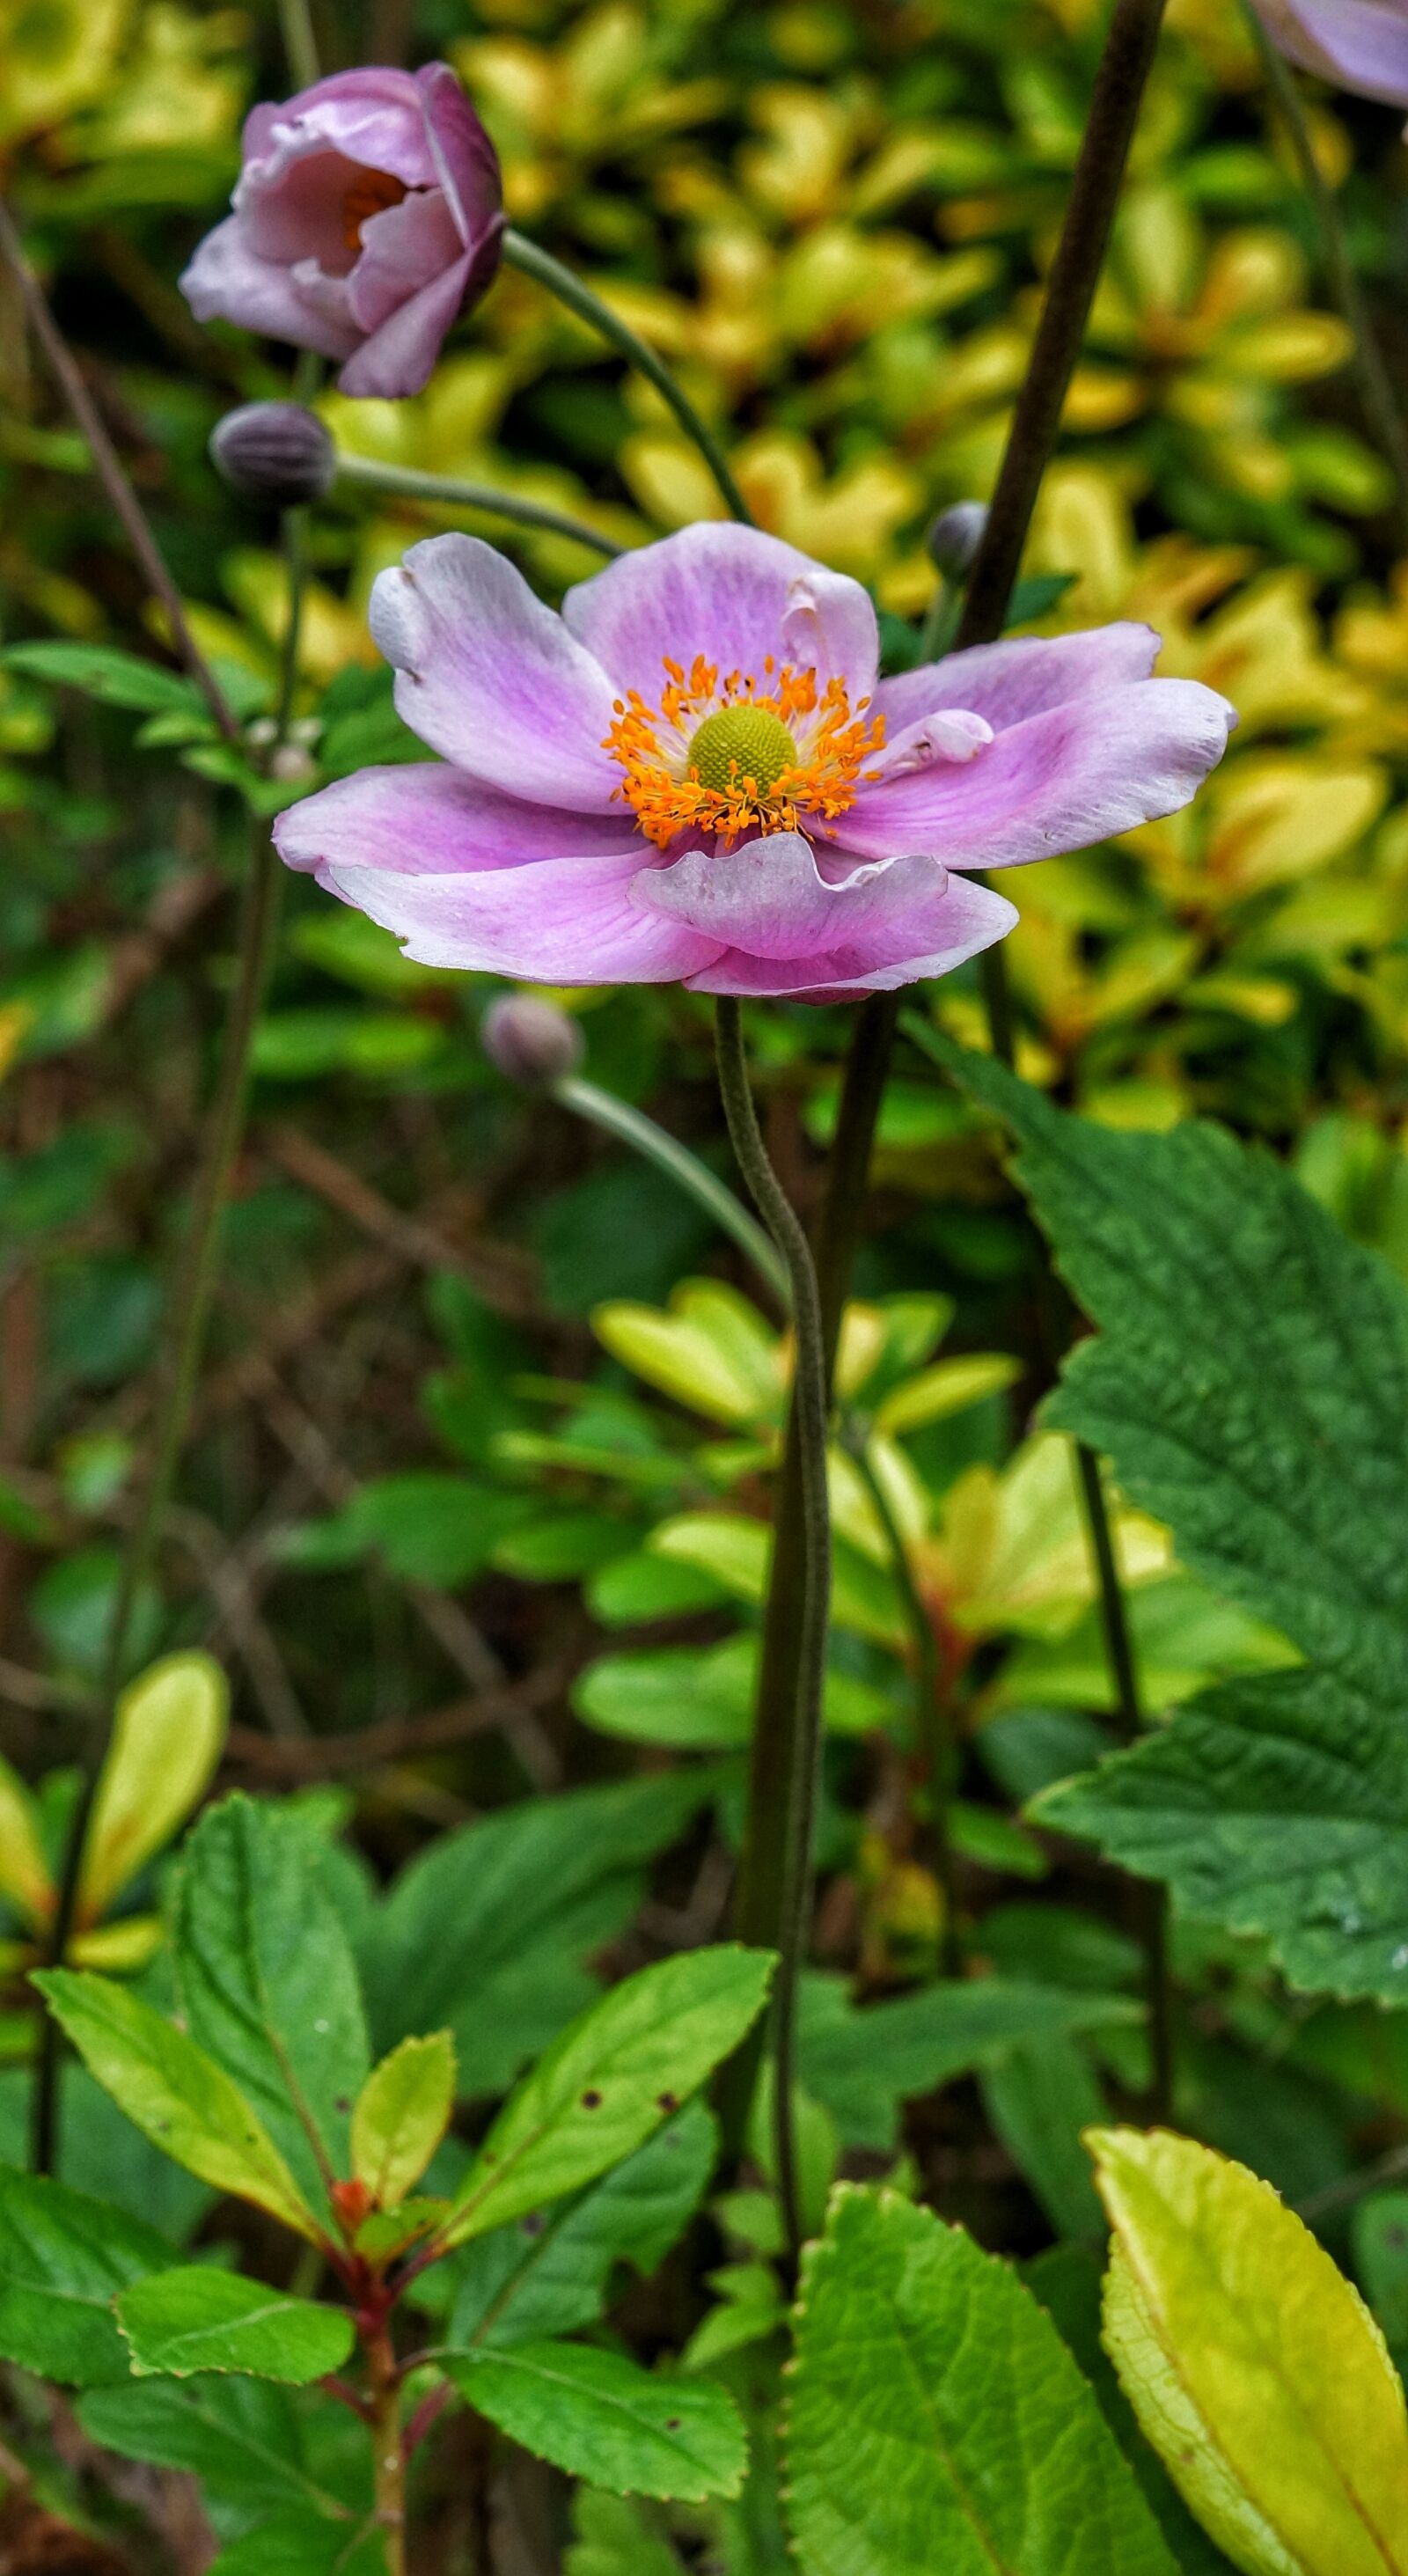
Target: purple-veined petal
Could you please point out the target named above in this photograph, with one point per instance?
(1362, 44)
(1008, 682)
(1060, 781)
(735, 595)
(399, 358)
(426, 819)
(553, 921)
(226, 279)
(783, 925)
(491, 678)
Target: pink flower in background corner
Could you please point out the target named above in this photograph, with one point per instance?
(368, 212)
(1360, 44)
(694, 774)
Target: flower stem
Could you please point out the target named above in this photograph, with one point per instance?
(579, 299)
(935, 1737)
(388, 2448)
(403, 482)
(797, 1717)
(300, 42)
(657, 1146)
(108, 466)
(1381, 406)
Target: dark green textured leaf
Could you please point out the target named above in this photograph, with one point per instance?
(601, 2417)
(1250, 1382)
(62, 2258)
(936, 2420)
(303, 2544)
(267, 1981)
(862, 2063)
(197, 2319)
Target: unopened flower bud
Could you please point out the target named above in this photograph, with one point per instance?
(275, 451)
(955, 537)
(531, 1042)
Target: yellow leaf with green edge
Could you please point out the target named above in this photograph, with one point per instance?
(24, 1871)
(709, 1349)
(401, 2115)
(1254, 2367)
(126, 1944)
(167, 1740)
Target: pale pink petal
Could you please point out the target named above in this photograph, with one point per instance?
(226, 280)
(1008, 682)
(887, 927)
(491, 678)
(554, 921)
(376, 116)
(1361, 44)
(465, 162)
(735, 595)
(1060, 781)
(426, 819)
(949, 734)
(399, 358)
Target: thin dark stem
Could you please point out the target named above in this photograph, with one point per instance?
(190, 1307)
(758, 1897)
(579, 299)
(935, 1737)
(108, 466)
(404, 482)
(796, 1717)
(1382, 410)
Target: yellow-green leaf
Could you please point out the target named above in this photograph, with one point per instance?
(167, 1740)
(401, 2115)
(24, 1871)
(1254, 2367)
(710, 1350)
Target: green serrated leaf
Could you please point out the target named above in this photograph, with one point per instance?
(936, 2419)
(195, 2318)
(171, 2090)
(62, 2259)
(267, 1980)
(615, 2076)
(1250, 1382)
(401, 2115)
(601, 2417)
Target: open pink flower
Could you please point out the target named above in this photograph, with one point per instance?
(368, 212)
(1361, 44)
(694, 773)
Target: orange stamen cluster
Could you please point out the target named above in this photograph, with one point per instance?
(371, 192)
(665, 789)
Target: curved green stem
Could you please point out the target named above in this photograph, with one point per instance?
(798, 1719)
(403, 482)
(1382, 409)
(657, 1146)
(300, 42)
(579, 299)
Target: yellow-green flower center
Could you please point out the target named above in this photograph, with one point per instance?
(742, 742)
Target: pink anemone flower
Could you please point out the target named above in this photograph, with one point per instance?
(695, 774)
(1360, 44)
(368, 213)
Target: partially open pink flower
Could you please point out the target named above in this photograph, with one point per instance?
(368, 212)
(1361, 44)
(693, 773)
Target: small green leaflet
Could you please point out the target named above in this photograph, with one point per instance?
(1250, 1382)
(401, 2115)
(100, 671)
(622, 2069)
(195, 2318)
(936, 2420)
(862, 2062)
(303, 2544)
(243, 2438)
(267, 1980)
(601, 2417)
(172, 2091)
(551, 2271)
(62, 2259)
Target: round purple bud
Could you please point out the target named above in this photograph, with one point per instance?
(531, 1042)
(955, 537)
(275, 451)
